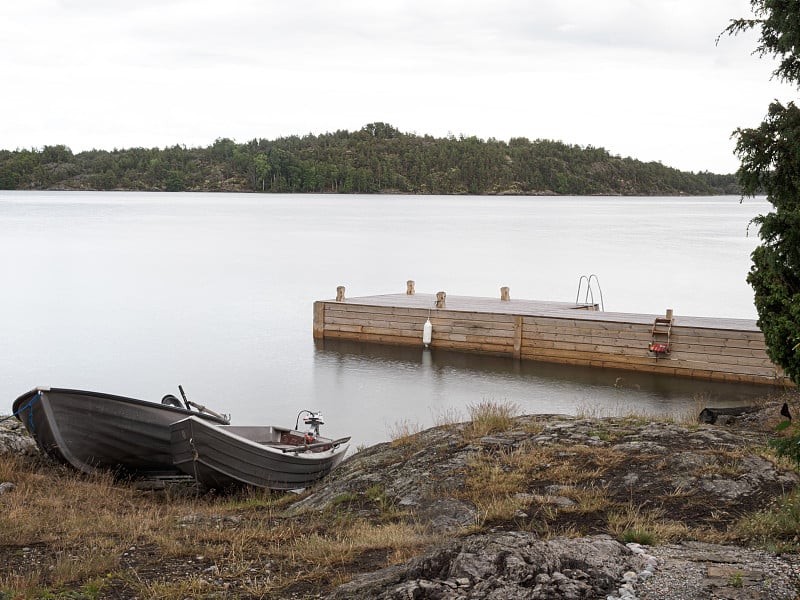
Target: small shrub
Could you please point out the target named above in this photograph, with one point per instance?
(639, 536)
(736, 580)
(788, 446)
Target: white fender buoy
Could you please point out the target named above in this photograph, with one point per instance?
(427, 333)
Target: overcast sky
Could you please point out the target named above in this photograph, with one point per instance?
(641, 78)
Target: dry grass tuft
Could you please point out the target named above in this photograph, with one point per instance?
(498, 508)
(168, 589)
(490, 417)
(633, 524)
(532, 425)
(97, 534)
(690, 415)
(403, 433)
(447, 417)
(487, 477)
(400, 538)
(10, 467)
(588, 499)
(547, 531)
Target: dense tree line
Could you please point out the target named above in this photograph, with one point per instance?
(377, 158)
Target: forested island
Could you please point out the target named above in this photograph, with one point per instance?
(378, 158)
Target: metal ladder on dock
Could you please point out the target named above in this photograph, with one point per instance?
(589, 297)
(660, 341)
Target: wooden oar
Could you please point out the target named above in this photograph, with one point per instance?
(200, 407)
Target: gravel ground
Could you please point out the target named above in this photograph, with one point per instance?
(697, 571)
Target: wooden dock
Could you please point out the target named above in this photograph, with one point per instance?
(556, 332)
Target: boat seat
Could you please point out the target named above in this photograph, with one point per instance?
(278, 445)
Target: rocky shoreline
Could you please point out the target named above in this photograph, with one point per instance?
(707, 474)
(564, 507)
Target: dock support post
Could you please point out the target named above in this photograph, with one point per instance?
(440, 296)
(340, 293)
(518, 336)
(410, 287)
(505, 293)
(319, 320)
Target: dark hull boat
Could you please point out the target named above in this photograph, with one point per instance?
(221, 456)
(90, 430)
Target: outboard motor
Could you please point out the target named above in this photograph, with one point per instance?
(314, 420)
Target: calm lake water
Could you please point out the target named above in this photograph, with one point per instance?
(135, 293)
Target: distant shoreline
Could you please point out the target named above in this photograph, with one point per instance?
(377, 159)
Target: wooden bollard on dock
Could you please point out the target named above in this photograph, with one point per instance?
(410, 287)
(505, 293)
(340, 293)
(440, 296)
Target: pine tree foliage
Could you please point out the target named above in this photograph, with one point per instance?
(770, 162)
(377, 158)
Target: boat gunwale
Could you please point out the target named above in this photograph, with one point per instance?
(334, 450)
(116, 398)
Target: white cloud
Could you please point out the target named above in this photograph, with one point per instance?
(640, 78)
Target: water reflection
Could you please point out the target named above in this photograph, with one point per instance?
(414, 384)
